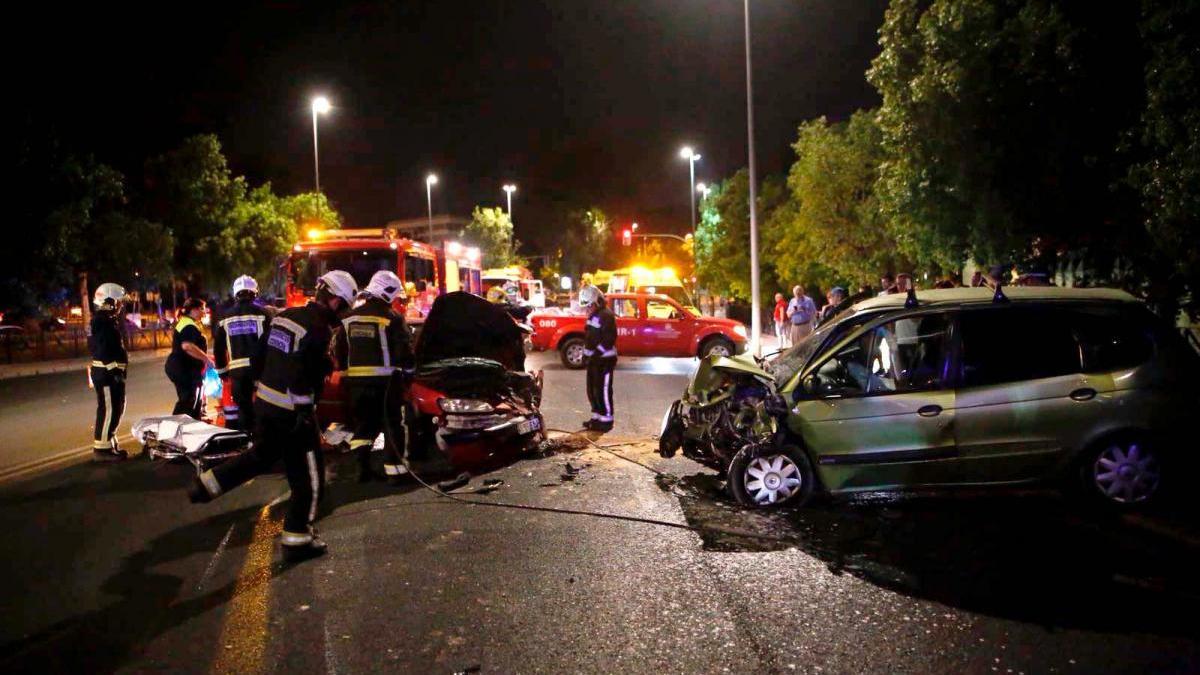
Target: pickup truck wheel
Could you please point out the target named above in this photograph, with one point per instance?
(571, 352)
(716, 346)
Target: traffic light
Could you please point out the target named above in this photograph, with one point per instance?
(627, 237)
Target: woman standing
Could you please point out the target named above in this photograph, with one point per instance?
(188, 359)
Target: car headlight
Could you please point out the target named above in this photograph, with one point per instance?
(739, 330)
(464, 405)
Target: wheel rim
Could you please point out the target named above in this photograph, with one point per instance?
(772, 479)
(575, 354)
(719, 349)
(1127, 474)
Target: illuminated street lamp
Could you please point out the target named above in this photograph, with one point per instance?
(320, 106)
(509, 189)
(703, 189)
(430, 181)
(692, 158)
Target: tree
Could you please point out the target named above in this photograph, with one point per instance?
(721, 242)
(1000, 121)
(492, 231)
(832, 230)
(309, 209)
(585, 241)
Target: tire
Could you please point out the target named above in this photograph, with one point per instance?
(1123, 472)
(571, 353)
(721, 345)
(786, 469)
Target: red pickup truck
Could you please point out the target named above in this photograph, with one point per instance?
(647, 325)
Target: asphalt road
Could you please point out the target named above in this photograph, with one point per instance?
(108, 568)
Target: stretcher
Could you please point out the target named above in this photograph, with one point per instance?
(176, 437)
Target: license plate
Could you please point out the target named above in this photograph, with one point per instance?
(531, 424)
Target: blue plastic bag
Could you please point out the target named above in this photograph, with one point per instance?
(212, 384)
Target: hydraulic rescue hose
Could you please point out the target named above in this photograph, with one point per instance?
(700, 529)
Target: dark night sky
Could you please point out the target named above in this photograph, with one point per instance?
(574, 100)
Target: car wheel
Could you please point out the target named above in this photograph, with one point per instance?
(1125, 472)
(716, 346)
(571, 352)
(760, 477)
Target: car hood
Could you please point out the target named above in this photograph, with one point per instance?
(717, 322)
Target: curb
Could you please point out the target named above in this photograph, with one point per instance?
(16, 370)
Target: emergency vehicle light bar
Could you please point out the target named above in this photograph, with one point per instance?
(353, 233)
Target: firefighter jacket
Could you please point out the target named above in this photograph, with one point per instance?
(106, 342)
(293, 357)
(600, 339)
(236, 336)
(373, 341)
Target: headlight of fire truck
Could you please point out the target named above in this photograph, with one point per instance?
(739, 330)
(464, 405)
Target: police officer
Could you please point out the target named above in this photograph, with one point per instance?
(106, 342)
(291, 365)
(600, 347)
(235, 342)
(371, 346)
(188, 358)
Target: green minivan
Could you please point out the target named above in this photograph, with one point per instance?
(963, 387)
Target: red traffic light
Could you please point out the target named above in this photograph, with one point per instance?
(626, 237)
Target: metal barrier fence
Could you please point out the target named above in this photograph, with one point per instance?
(17, 346)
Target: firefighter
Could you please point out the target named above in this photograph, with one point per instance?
(600, 347)
(188, 358)
(235, 341)
(106, 342)
(291, 365)
(371, 347)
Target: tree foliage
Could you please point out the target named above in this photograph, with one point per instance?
(491, 230)
(721, 243)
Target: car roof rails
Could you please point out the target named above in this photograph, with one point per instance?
(999, 297)
(910, 302)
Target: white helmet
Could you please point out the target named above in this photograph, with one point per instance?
(384, 285)
(245, 283)
(339, 283)
(108, 292)
(590, 295)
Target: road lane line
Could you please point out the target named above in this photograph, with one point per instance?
(243, 643)
(41, 464)
(212, 564)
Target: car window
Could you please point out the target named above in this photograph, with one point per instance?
(907, 354)
(1015, 344)
(785, 367)
(1111, 340)
(625, 308)
(656, 309)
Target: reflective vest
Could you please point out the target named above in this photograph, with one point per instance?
(236, 337)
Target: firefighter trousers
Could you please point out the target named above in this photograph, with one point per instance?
(369, 404)
(241, 391)
(110, 406)
(600, 386)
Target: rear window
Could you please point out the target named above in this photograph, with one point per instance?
(1013, 344)
(1112, 340)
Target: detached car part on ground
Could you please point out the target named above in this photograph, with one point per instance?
(1084, 388)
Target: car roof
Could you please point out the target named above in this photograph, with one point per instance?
(964, 296)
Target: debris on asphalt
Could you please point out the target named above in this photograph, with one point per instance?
(454, 483)
(469, 669)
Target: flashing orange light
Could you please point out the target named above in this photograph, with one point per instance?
(297, 247)
(314, 233)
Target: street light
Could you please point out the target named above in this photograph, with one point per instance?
(509, 189)
(692, 158)
(320, 105)
(755, 302)
(430, 181)
(703, 189)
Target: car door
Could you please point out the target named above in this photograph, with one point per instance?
(626, 311)
(879, 410)
(666, 330)
(1023, 399)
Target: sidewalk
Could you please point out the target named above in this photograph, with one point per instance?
(13, 370)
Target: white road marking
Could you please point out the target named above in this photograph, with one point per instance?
(212, 564)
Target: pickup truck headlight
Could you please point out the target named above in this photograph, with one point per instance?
(739, 330)
(464, 405)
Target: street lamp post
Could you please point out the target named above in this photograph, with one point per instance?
(430, 181)
(509, 189)
(320, 105)
(691, 157)
(703, 190)
(755, 301)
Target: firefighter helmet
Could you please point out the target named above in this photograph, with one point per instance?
(496, 295)
(590, 296)
(340, 284)
(244, 284)
(384, 285)
(108, 293)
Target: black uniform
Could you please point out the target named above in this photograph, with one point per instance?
(185, 371)
(600, 347)
(291, 363)
(109, 361)
(371, 346)
(235, 343)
